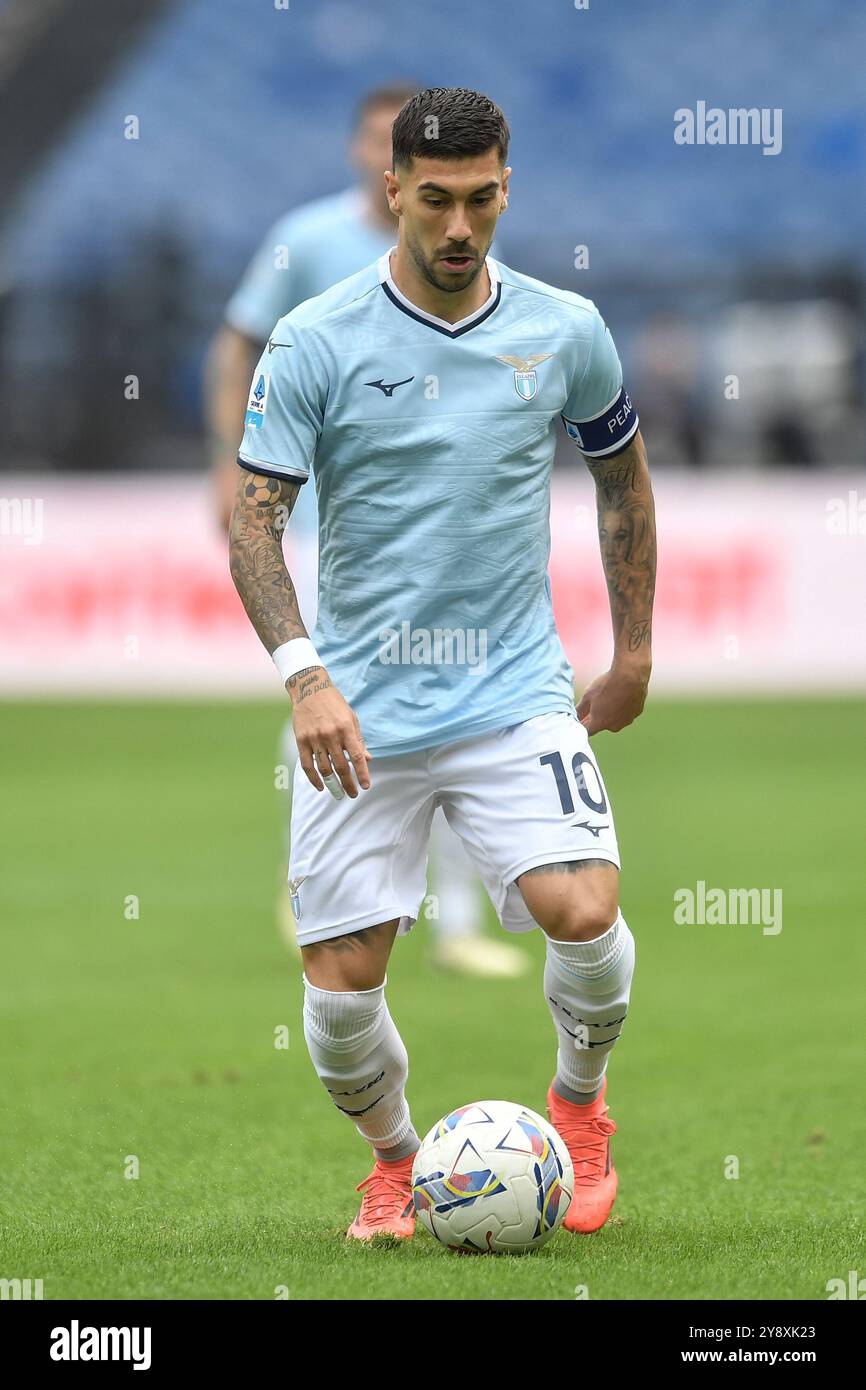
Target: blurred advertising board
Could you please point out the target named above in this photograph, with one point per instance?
(117, 585)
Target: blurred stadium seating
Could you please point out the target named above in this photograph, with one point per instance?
(117, 255)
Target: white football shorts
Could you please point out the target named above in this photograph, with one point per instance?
(527, 795)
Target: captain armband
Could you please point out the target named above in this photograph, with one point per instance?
(611, 430)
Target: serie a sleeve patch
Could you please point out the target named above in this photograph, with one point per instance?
(258, 401)
(608, 431)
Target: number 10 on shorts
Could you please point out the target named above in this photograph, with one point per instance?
(591, 794)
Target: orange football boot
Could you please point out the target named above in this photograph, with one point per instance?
(586, 1131)
(387, 1208)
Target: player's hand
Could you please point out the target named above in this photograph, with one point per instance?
(328, 734)
(614, 700)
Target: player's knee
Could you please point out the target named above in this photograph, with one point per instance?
(356, 961)
(342, 976)
(573, 906)
(583, 915)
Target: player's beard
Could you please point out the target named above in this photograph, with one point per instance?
(427, 268)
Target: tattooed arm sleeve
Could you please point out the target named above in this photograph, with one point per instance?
(262, 508)
(627, 535)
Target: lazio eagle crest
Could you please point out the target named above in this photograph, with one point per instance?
(295, 895)
(525, 378)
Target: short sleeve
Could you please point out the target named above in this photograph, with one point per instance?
(285, 409)
(599, 415)
(267, 289)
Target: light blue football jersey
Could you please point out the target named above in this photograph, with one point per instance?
(431, 445)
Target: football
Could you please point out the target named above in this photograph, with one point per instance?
(492, 1177)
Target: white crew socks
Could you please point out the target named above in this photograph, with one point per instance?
(587, 986)
(359, 1056)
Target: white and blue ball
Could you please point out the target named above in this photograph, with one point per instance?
(492, 1177)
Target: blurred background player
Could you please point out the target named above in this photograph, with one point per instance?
(303, 254)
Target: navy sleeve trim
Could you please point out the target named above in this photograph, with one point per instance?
(267, 470)
(609, 431)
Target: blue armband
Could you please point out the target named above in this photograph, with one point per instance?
(607, 432)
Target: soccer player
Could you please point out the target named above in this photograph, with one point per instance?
(423, 394)
(306, 252)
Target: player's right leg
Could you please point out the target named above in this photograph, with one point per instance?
(360, 1059)
(358, 877)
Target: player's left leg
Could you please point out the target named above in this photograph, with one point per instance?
(533, 812)
(587, 981)
(590, 961)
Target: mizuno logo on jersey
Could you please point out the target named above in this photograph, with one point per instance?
(388, 388)
(525, 377)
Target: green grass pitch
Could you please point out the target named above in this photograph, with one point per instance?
(154, 1037)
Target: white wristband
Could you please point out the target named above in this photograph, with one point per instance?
(295, 656)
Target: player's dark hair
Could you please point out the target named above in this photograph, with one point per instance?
(390, 94)
(448, 123)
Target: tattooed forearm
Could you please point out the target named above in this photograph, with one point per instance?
(626, 529)
(261, 510)
(307, 682)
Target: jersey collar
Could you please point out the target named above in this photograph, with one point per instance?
(451, 330)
